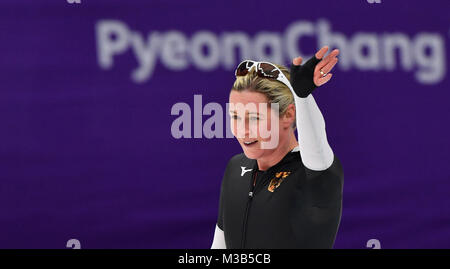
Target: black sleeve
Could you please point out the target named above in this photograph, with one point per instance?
(221, 204)
(321, 203)
(325, 187)
(222, 194)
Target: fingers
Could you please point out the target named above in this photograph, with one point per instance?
(329, 58)
(323, 80)
(327, 68)
(319, 55)
(326, 65)
(321, 52)
(297, 61)
(332, 54)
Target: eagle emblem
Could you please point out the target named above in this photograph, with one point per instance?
(277, 180)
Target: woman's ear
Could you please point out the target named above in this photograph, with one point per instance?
(288, 116)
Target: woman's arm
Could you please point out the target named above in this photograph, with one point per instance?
(315, 151)
(219, 235)
(219, 239)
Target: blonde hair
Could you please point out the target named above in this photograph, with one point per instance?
(274, 90)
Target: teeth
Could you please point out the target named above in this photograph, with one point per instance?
(248, 143)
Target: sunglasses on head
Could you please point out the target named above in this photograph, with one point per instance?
(264, 70)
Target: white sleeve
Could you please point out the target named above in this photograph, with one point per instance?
(219, 239)
(314, 149)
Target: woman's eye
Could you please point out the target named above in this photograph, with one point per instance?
(234, 117)
(254, 118)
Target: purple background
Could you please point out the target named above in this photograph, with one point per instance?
(87, 153)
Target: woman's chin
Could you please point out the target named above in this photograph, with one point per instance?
(252, 153)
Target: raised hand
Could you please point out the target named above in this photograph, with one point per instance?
(314, 73)
(322, 71)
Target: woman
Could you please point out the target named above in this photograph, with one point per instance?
(288, 196)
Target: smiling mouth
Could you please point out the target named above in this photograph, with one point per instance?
(250, 143)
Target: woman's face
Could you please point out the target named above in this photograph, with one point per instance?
(256, 126)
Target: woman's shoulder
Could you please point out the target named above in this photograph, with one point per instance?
(330, 180)
(237, 163)
(335, 168)
(239, 160)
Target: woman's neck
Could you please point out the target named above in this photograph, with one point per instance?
(278, 154)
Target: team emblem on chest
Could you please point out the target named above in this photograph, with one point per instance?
(277, 180)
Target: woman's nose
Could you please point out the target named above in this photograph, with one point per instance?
(242, 129)
(242, 132)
